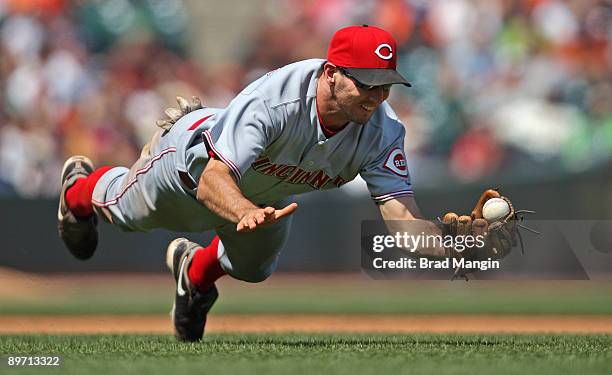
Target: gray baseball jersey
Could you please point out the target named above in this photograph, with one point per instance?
(271, 138)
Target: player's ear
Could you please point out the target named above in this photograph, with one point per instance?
(329, 70)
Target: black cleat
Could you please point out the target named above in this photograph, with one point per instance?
(79, 234)
(190, 306)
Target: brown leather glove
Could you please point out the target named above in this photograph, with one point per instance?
(498, 237)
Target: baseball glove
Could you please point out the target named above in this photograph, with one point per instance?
(498, 237)
(173, 114)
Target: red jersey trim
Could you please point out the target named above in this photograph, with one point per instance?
(197, 123)
(393, 195)
(211, 147)
(328, 132)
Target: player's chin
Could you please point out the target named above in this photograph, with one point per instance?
(363, 114)
(362, 119)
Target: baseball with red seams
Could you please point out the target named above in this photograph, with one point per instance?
(495, 209)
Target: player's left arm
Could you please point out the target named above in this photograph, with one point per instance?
(219, 192)
(402, 214)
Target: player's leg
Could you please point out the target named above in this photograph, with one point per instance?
(122, 195)
(149, 195)
(77, 223)
(192, 302)
(152, 193)
(77, 217)
(250, 256)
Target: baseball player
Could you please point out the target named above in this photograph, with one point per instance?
(311, 125)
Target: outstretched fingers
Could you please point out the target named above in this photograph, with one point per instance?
(285, 211)
(264, 216)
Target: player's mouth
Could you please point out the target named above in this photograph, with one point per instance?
(368, 107)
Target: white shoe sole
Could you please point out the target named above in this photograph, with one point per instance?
(170, 253)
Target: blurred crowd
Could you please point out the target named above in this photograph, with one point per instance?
(498, 85)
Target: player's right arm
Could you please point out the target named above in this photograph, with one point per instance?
(218, 191)
(386, 174)
(403, 215)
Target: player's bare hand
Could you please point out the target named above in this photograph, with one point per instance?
(264, 216)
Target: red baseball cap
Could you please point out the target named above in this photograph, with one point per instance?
(368, 53)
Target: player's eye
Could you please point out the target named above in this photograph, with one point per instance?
(361, 85)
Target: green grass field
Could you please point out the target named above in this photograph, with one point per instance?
(319, 354)
(318, 294)
(312, 353)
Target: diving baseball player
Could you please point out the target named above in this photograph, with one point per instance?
(311, 125)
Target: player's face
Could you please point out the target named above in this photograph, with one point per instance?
(357, 101)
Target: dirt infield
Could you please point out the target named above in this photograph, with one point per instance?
(36, 290)
(312, 323)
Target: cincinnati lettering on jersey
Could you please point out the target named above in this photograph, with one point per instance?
(295, 175)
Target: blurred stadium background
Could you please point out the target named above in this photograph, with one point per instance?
(519, 88)
(516, 94)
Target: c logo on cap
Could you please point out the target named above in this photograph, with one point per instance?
(384, 57)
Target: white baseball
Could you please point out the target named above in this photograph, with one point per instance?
(494, 209)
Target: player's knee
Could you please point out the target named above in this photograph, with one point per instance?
(253, 278)
(252, 273)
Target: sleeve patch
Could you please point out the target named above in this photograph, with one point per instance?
(396, 162)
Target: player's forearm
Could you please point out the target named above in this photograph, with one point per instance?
(218, 191)
(400, 216)
(427, 230)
